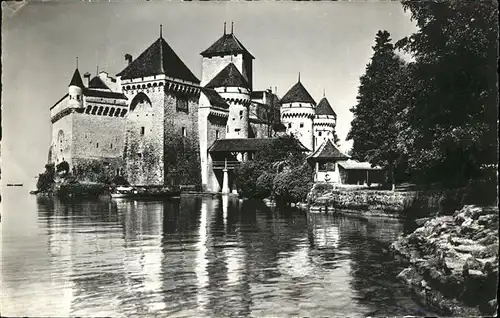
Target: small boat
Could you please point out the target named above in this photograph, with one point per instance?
(123, 192)
(14, 184)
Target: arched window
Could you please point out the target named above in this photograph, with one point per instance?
(111, 111)
(106, 110)
(89, 108)
(124, 111)
(99, 112)
(94, 110)
(140, 98)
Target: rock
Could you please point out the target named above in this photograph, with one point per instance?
(488, 239)
(485, 219)
(473, 264)
(421, 221)
(488, 251)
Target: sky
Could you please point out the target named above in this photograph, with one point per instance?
(329, 43)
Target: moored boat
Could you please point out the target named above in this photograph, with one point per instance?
(123, 192)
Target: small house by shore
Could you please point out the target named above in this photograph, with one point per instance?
(331, 165)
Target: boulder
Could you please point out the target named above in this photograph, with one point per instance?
(488, 251)
(473, 263)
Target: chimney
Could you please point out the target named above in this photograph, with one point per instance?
(128, 58)
(87, 76)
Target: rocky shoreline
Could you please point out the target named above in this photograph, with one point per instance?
(452, 261)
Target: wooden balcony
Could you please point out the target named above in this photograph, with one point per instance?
(231, 165)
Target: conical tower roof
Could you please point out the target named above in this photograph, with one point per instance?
(324, 108)
(230, 76)
(159, 58)
(298, 93)
(227, 44)
(97, 82)
(76, 80)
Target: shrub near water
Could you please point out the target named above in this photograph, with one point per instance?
(278, 171)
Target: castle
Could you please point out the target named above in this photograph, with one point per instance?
(157, 124)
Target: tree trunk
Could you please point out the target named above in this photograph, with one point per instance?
(393, 179)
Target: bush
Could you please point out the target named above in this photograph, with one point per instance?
(293, 184)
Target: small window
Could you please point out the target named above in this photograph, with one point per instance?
(319, 133)
(301, 125)
(111, 146)
(289, 125)
(97, 145)
(216, 134)
(184, 132)
(237, 129)
(241, 113)
(142, 131)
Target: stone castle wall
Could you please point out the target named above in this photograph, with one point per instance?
(62, 150)
(181, 139)
(144, 139)
(97, 136)
(211, 66)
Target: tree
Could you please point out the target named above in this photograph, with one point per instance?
(451, 108)
(278, 170)
(375, 127)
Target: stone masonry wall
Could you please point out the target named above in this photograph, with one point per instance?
(60, 150)
(144, 141)
(97, 136)
(181, 143)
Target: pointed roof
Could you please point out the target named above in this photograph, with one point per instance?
(227, 44)
(159, 58)
(298, 93)
(97, 83)
(76, 80)
(230, 76)
(324, 108)
(214, 98)
(328, 150)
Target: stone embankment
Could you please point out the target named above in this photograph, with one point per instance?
(453, 261)
(381, 203)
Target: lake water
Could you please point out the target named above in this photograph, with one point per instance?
(193, 257)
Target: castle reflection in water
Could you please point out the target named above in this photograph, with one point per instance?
(213, 257)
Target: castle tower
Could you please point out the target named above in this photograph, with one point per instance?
(161, 138)
(226, 50)
(297, 114)
(324, 123)
(75, 90)
(234, 89)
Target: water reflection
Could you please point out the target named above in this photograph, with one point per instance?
(196, 257)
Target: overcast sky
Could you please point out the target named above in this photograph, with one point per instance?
(329, 43)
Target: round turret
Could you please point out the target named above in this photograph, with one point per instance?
(75, 90)
(325, 121)
(238, 99)
(234, 89)
(297, 114)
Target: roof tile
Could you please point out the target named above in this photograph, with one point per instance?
(328, 150)
(227, 44)
(245, 144)
(298, 93)
(214, 98)
(324, 108)
(76, 80)
(159, 58)
(230, 76)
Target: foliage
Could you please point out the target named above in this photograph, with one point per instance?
(272, 167)
(374, 129)
(435, 117)
(46, 179)
(293, 184)
(451, 108)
